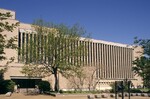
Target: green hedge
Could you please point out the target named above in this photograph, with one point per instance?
(73, 92)
(44, 86)
(136, 91)
(6, 86)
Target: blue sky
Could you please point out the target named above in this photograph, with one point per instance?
(110, 20)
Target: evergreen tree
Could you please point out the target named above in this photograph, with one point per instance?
(142, 64)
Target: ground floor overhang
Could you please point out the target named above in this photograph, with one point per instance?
(26, 82)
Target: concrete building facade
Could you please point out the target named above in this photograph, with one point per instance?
(113, 61)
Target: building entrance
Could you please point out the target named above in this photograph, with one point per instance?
(25, 82)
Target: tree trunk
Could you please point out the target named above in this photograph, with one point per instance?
(56, 86)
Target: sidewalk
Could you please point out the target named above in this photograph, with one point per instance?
(22, 96)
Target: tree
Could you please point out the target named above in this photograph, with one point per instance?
(78, 80)
(6, 26)
(91, 78)
(86, 78)
(142, 64)
(4, 43)
(55, 49)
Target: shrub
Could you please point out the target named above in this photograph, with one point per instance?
(112, 90)
(6, 86)
(135, 91)
(44, 86)
(148, 91)
(10, 86)
(124, 87)
(61, 91)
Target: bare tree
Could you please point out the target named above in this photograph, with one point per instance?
(77, 81)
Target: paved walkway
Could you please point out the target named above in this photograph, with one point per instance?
(22, 96)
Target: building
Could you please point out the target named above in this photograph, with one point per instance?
(113, 61)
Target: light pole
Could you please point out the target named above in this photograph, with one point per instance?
(128, 84)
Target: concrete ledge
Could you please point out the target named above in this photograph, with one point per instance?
(104, 95)
(112, 95)
(144, 94)
(8, 94)
(98, 96)
(90, 96)
(132, 94)
(148, 94)
(126, 94)
(138, 94)
(119, 95)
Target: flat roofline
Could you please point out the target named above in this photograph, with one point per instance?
(90, 39)
(108, 42)
(112, 43)
(7, 10)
